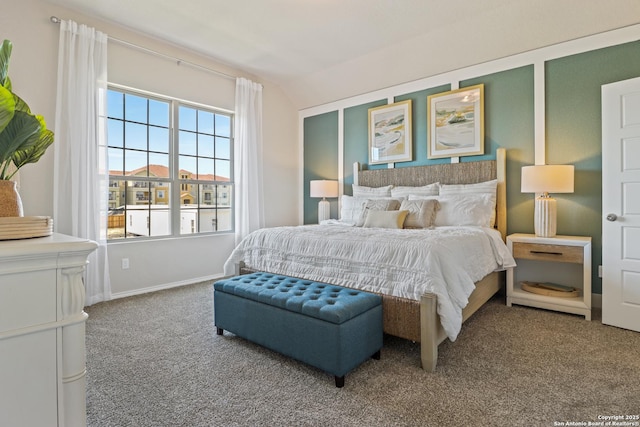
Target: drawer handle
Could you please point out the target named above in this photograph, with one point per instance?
(545, 253)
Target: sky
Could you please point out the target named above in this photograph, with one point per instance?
(137, 124)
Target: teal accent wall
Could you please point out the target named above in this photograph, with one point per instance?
(419, 126)
(320, 159)
(509, 123)
(356, 139)
(574, 134)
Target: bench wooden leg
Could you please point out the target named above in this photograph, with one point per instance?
(339, 381)
(219, 331)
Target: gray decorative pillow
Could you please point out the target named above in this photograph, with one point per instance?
(422, 213)
(378, 205)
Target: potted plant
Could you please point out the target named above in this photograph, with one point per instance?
(24, 137)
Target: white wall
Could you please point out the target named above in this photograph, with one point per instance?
(160, 262)
(497, 29)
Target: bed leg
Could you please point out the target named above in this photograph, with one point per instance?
(428, 332)
(239, 266)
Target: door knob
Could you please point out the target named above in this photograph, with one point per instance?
(612, 217)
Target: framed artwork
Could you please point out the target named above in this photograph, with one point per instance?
(455, 120)
(390, 133)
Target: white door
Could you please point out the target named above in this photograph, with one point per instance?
(621, 204)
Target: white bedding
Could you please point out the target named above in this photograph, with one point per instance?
(446, 261)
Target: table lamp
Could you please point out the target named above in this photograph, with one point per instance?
(545, 179)
(323, 188)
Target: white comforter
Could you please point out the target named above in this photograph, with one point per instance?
(446, 261)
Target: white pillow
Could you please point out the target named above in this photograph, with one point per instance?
(425, 190)
(371, 192)
(422, 213)
(486, 187)
(351, 208)
(385, 219)
(463, 209)
(480, 187)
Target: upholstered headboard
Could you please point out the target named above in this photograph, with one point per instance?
(448, 173)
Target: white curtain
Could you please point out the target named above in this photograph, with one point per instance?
(80, 169)
(249, 208)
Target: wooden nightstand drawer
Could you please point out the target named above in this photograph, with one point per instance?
(540, 252)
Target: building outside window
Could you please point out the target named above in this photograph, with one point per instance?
(167, 180)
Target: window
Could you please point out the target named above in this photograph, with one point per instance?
(167, 180)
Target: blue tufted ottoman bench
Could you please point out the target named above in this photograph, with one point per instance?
(330, 327)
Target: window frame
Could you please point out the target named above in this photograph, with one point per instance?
(175, 182)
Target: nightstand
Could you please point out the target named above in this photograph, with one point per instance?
(565, 260)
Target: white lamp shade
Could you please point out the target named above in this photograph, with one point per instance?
(547, 179)
(323, 188)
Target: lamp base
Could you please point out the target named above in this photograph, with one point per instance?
(544, 222)
(324, 210)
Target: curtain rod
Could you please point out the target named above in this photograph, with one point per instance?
(178, 61)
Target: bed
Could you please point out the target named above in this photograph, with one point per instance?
(414, 314)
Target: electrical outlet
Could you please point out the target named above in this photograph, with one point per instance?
(125, 263)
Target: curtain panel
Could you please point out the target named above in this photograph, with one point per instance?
(80, 169)
(249, 208)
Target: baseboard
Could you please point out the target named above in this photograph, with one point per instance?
(140, 291)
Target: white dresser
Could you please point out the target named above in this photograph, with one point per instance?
(42, 330)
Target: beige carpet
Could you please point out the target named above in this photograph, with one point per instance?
(155, 360)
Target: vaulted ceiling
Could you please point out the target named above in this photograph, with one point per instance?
(322, 50)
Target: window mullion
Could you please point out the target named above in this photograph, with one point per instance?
(175, 169)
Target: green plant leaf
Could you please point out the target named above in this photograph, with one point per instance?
(18, 135)
(24, 137)
(21, 105)
(32, 154)
(7, 107)
(5, 54)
